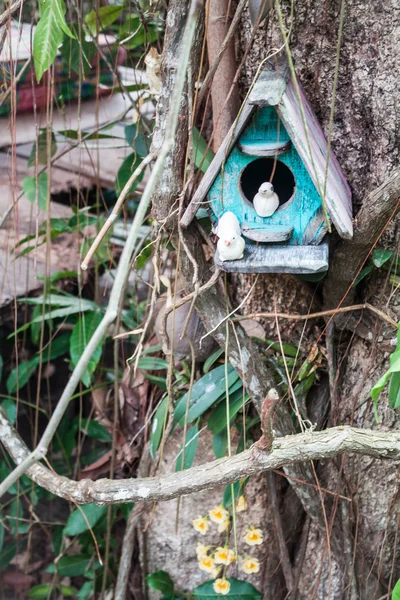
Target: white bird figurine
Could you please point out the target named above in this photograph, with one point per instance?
(266, 201)
(230, 244)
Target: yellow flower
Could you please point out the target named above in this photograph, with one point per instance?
(201, 524)
(241, 504)
(224, 556)
(250, 565)
(218, 514)
(201, 551)
(223, 526)
(221, 586)
(207, 564)
(253, 537)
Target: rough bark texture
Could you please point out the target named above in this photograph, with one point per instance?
(365, 140)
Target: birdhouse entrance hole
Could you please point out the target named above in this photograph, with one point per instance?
(267, 169)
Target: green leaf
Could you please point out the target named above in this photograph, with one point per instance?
(157, 427)
(143, 37)
(380, 256)
(204, 393)
(41, 591)
(220, 443)
(313, 277)
(379, 386)
(76, 522)
(43, 153)
(67, 591)
(48, 35)
(81, 334)
(212, 359)
(396, 591)
(60, 300)
(152, 364)
(72, 566)
(57, 539)
(7, 554)
(303, 387)
(20, 376)
(162, 582)
(191, 442)
(238, 488)
(136, 139)
(96, 430)
(130, 164)
(85, 590)
(58, 347)
(97, 20)
(217, 419)
(10, 408)
(202, 156)
(239, 590)
(288, 349)
(394, 390)
(32, 187)
(363, 273)
(158, 381)
(15, 516)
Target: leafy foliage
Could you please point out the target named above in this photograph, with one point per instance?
(37, 188)
(49, 34)
(392, 375)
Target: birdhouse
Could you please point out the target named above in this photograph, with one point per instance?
(276, 139)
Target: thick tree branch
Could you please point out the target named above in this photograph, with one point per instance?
(286, 451)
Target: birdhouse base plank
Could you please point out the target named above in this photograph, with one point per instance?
(259, 258)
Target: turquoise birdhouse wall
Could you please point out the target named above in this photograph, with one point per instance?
(264, 152)
(277, 139)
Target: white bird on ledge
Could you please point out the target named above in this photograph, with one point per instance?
(266, 201)
(230, 244)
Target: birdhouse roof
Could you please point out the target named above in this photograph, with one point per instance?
(275, 87)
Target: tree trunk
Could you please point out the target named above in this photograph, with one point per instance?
(365, 139)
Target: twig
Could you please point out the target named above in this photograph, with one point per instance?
(322, 313)
(318, 445)
(9, 11)
(283, 551)
(127, 551)
(115, 211)
(124, 263)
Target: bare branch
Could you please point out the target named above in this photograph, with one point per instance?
(302, 447)
(115, 211)
(10, 10)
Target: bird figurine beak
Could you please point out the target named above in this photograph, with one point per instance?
(227, 243)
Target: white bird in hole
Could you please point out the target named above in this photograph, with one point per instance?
(266, 201)
(230, 244)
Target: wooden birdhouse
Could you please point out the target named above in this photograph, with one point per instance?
(276, 138)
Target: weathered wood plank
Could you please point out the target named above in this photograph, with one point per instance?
(271, 84)
(338, 197)
(272, 234)
(264, 149)
(259, 258)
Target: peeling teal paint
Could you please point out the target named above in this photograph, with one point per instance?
(226, 192)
